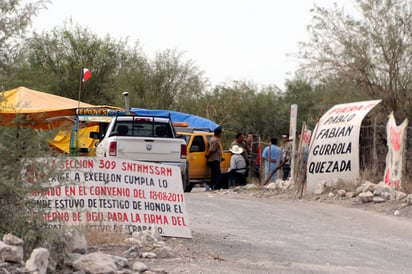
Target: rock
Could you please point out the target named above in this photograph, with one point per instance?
(386, 195)
(10, 239)
(366, 197)
(251, 186)
(68, 260)
(367, 186)
(38, 261)
(350, 194)
(78, 241)
(99, 263)
(133, 252)
(378, 200)
(271, 186)
(408, 199)
(11, 253)
(396, 213)
(399, 195)
(146, 238)
(381, 188)
(139, 267)
(149, 255)
(162, 252)
(341, 193)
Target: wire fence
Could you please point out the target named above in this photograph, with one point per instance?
(372, 155)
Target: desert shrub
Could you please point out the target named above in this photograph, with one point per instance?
(20, 176)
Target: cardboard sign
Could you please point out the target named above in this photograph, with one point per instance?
(334, 149)
(114, 194)
(396, 136)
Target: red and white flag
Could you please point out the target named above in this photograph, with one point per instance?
(86, 74)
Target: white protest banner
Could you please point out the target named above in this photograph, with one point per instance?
(396, 136)
(334, 149)
(114, 194)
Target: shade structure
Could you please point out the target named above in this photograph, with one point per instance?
(39, 110)
(36, 109)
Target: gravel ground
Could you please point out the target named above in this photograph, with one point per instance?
(187, 251)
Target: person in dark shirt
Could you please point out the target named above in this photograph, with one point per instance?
(214, 157)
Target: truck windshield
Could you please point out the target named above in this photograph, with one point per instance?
(143, 129)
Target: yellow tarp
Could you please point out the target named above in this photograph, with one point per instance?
(24, 100)
(41, 110)
(62, 140)
(35, 107)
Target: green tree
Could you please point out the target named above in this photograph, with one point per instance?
(242, 107)
(370, 50)
(167, 81)
(20, 176)
(61, 53)
(15, 17)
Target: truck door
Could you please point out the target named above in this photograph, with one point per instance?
(197, 160)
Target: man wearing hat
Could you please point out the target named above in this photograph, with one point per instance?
(238, 166)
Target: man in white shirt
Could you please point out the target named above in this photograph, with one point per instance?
(238, 167)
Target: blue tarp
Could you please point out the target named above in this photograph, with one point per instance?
(193, 121)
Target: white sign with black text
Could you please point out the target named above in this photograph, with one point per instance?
(114, 194)
(334, 149)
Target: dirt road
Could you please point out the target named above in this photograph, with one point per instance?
(235, 233)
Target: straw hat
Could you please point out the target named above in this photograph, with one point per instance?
(235, 149)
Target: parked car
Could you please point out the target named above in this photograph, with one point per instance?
(197, 142)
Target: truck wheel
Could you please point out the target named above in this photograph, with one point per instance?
(187, 186)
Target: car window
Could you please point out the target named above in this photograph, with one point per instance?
(143, 129)
(198, 144)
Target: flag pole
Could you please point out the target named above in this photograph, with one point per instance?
(74, 150)
(80, 86)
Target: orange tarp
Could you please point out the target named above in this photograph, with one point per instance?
(41, 110)
(34, 107)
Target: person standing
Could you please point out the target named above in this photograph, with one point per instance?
(240, 141)
(253, 155)
(287, 152)
(214, 157)
(272, 156)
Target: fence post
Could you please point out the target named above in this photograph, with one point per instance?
(374, 153)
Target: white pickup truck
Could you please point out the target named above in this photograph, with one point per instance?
(142, 138)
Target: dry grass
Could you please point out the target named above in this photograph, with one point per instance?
(95, 237)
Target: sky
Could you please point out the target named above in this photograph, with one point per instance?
(229, 40)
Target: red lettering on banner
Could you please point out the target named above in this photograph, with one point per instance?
(77, 163)
(109, 191)
(70, 190)
(117, 217)
(53, 191)
(351, 108)
(135, 218)
(178, 221)
(94, 216)
(138, 193)
(146, 168)
(56, 216)
(155, 219)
